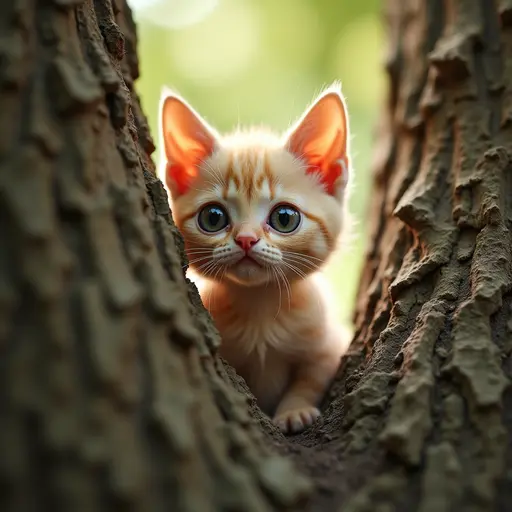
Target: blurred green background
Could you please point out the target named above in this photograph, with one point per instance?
(262, 62)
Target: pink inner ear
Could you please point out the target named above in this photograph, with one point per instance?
(188, 141)
(182, 177)
(333, 164)
(330, 173)
(320, 139)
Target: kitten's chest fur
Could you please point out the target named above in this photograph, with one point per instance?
(264, 334)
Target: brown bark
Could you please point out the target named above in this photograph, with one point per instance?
(422, 414)
(111, 396)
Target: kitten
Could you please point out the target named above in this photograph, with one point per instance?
(260, 215)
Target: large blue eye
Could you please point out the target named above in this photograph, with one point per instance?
(284, 218)
(213, 218)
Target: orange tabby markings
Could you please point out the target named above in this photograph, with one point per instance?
(260, 215)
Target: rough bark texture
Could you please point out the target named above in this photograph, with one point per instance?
(110, 398)
(422, 415)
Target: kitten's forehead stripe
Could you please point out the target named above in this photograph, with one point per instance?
(227, 178)
(249, 174)
(270, 179)
(232, 181)
(257, 169)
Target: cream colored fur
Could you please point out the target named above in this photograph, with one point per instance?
(269, 301)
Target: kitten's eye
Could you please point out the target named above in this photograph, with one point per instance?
(213, 218)
(284, 219)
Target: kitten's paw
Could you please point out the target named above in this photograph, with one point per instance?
(296, 420)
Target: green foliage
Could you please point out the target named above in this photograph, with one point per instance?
(262, 62)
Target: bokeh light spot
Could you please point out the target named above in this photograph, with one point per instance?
(173, 13)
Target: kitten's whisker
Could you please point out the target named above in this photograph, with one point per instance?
(296, 257)
(299, 259)
(199, 253)
(205, 264)
(308, 266)
(288, 289)
(309, 257)
(274, 272)
(205, 267)
(287, 286)
(295, 269)
(219, 270)
(194, 249)
(199, 257)
(195, 260)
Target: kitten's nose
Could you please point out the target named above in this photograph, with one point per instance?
(246, 241)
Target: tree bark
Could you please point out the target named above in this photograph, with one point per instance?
(422, 414)
(111, 394)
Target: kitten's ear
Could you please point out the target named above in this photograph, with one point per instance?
(187, 141)
(320, 138)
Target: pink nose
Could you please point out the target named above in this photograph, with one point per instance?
(246, 242)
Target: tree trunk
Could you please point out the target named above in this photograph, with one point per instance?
(111, 395)
(422, 415)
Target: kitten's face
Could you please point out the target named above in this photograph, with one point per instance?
(254, 208)
(253, 216)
